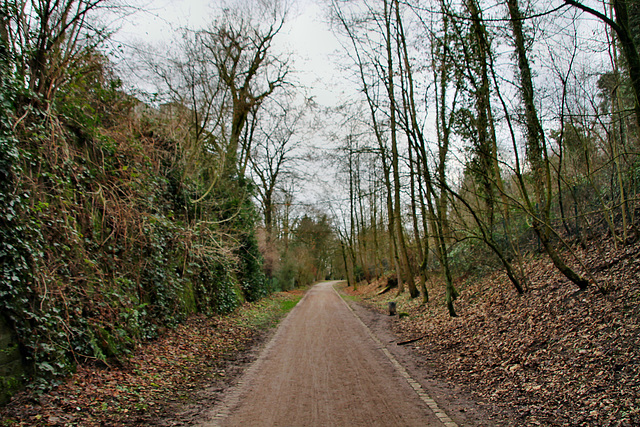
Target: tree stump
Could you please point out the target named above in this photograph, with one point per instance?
(392, 308)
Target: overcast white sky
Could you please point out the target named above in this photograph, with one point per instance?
(306, 35)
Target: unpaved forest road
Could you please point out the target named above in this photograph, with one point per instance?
(323, 368)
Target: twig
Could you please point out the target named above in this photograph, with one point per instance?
(15, 125)
(410, 341)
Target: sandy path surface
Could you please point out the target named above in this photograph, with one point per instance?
(323, 367)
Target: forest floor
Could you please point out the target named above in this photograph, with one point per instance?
(171, 381)
(552, 356)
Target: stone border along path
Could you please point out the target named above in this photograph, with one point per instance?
(442, 416)
(223, 409)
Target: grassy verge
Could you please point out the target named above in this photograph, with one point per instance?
(268, 312)
(348, 297)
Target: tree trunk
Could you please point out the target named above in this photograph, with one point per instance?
(404, 258)
(536, 151)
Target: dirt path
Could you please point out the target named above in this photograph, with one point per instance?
(325, 367)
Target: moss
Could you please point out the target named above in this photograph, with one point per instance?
(188, 299)
(8, 386)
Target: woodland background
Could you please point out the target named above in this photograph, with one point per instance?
(482, 134)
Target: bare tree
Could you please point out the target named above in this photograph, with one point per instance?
(239, 46)
(220, 78)
(46, 39)
(271, 156)
(376, 70)
(389, 16)
(537, 152)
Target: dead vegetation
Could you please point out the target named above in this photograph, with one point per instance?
(553, 356)
(172, 380)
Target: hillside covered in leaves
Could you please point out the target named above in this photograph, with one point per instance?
(554, 356)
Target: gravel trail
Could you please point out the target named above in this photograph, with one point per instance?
(323, 367)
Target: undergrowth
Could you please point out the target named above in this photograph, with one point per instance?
(103, 241)
(160, 379)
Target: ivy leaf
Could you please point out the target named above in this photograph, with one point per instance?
(46, 367)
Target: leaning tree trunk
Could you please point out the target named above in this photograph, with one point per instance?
(536, 152)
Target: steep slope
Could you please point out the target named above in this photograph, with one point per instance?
(553, 356)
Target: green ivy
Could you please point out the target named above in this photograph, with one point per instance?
(19, 236)
(84, 276)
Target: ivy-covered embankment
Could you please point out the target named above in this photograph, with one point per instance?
(104, 236)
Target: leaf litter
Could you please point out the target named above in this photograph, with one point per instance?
(555, 356)
(170, 381)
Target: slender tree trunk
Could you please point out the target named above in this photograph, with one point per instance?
(347, 266)
(617, 106)
(382, 149)
(536, 151)
(360, 222)
(443, 129)
(424, 259)
(288, 198)
(379, 270)
(414, 205)
(400, 239)
(485, 150)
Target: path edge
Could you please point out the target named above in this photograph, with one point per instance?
(223, 409)
(431, 403)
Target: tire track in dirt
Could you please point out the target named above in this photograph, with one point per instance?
(324, 367)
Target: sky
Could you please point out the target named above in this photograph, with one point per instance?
(306, 35)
